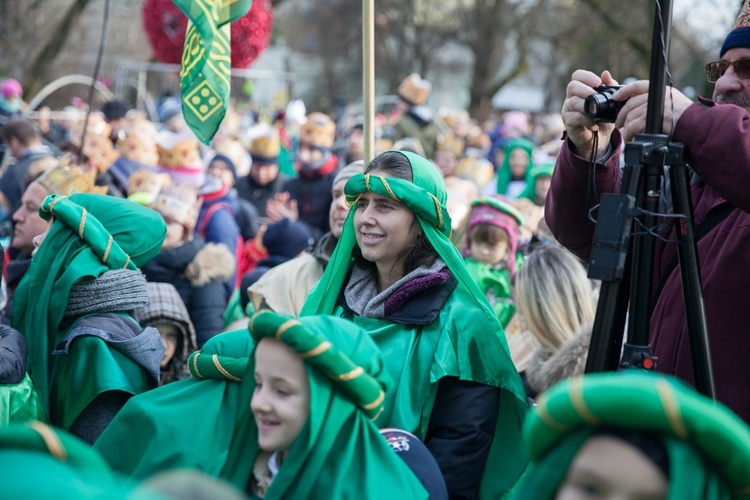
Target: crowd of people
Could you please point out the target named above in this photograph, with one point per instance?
(277, 312)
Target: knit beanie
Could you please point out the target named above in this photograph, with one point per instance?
(740, 34)
(419, 459)
(287, 239)
(10, 87)
(494, 212)
(228, 162)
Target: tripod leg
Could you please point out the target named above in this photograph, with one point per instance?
(691, 283)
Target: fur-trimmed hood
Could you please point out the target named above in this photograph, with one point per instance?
(547, 368)
(213, 261)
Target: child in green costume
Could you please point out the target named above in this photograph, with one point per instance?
(491, 254)
(315, 386)
(634, 435)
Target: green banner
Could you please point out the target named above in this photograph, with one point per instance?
(206, 62)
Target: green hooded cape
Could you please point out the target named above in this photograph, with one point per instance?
(707, 444)
(339, 453)
(465, 341)
(91, 234)
(504, 174)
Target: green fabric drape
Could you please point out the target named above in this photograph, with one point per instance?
(504, 174)
(339, 452)
(42, 462)
(185, 424)
(90, 235)
(206, 62)
(708, 445)
(20, 403)
(466, 341)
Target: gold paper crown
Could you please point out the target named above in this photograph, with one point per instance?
(319, 131)
(144, 186)
(266, 146)
(743, 18)
(478, 139)
(69, 180)
(478, 170)
(414, 89)
(186, 153)
(138, 143)
(449, 142)
(178, 203)
(99, 151)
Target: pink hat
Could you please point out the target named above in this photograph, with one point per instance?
(11, 87)
(494, 212)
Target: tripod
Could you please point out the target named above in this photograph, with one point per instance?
(627, 264)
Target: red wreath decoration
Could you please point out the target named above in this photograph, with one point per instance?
(165, 25)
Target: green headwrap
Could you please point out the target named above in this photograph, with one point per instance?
(504, 174)
(91, 234)
(472, 348)
(339, 453)
(707, 444)
(543, 170)
(42, 462)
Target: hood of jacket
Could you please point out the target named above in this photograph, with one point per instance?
(547, 368)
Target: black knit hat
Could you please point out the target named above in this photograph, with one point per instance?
(114, 110)
(287, 239)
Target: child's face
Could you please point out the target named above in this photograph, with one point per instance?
(487, 253)
(169, 335)
(519, 162)
(607, 467)
(176, 235)
(281, 400)
(542, 188)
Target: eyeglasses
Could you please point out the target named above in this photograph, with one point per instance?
(716, 69)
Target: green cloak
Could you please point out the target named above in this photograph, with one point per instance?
(90, 235)
(708, 445)
(466, 341)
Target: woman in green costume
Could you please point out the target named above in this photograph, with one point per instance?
(513, 174)
(634, 435)
(87, 355)
(396, 274)
(312, 390)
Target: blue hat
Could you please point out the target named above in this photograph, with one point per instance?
(740, 34)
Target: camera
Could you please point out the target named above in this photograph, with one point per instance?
(601, 107)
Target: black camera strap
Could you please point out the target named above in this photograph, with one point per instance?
(713, 218)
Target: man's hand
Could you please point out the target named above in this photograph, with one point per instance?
(581, 128)
(281, 207)
(631, 119)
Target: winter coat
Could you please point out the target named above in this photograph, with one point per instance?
(547, 368)
(312, 192)
(259, 195)
(198, 270)
(718, 146)
(419, 126)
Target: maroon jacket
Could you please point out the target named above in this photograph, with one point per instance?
(717, 139)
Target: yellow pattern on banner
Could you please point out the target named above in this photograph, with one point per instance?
(206, 62)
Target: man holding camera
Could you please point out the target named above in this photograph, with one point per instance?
(717, 139)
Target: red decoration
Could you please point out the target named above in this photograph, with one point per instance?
(165, 25)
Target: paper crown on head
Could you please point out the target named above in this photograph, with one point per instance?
(178, 203)
(318, 131)
(144, 186)
(178, 151)
(414, 89)
(266, 147)
(740, 34)
(99, 150)
(137, 142)
(69, 180)
(477, 138)
(451, 143)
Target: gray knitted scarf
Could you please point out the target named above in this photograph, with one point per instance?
(113, 291)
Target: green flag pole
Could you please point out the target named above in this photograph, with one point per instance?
(368, 76)
(206, 62)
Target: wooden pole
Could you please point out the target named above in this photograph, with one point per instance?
(368, 76)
